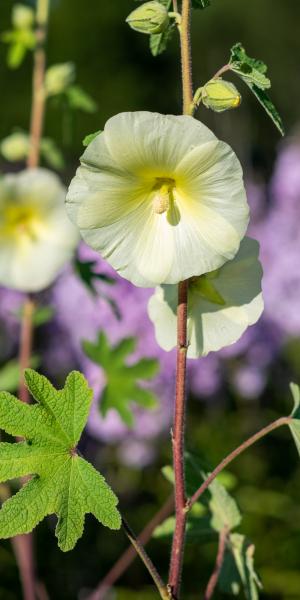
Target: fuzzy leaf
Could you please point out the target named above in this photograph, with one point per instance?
(89, 138)
(87, 274)
(122, 387)
(79, 100)
(253, 73)
(200, 3)
(295, 424)
(238, 568)
(10, 373)
(224, 509)
(52, 154)
(63, 483)
(159, 41)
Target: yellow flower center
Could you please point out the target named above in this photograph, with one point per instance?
(163, 197)
(19, 220)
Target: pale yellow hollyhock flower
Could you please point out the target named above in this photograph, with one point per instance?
(221, 304)
(159, 197)
(36, 236)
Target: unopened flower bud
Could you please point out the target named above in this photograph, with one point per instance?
(150, 18)
(59, 77)
(15, 147)
(220, 95)
(22, 16)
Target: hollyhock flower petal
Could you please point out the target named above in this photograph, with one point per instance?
(221, 305)
(36, 237)
(160, 198)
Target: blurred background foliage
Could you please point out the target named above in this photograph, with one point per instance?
(115, 67)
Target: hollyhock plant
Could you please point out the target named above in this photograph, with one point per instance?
(36, 237)
(159, 197)
(222, 304)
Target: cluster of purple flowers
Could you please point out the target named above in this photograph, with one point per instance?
(120, 310)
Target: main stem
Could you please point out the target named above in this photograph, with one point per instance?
(38, 92)
(23, 544)
(178, 433)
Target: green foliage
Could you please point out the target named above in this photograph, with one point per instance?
(253, 73)
(238, 568)
(78, 99)
(10, 374)
(88, 275)
(295, 424)
(159, 41)
(51, 154)
(200, 3)
(122, 387)
(19, 41)
(215, 512)
(89, 138)
(63, 483)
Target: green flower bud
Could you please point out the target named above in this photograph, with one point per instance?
(150, 18)
(220, 95)
(59, 77)
(22, 16)
(15, 147)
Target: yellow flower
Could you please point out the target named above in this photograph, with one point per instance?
(159, 197)
(36, 237)
(221, 304)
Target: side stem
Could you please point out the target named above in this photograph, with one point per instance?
(211, 586)
(226, 461)
(162, 588)
(130, 554)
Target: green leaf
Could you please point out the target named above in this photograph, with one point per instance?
(295, 424)
(89, 138)
(52, 154)
(62, 482)
(79, 100)
(159, 41)
(122, 388)
(253, 73)
(200, 3)
(238, 568)
(223, 507)
(87, 274)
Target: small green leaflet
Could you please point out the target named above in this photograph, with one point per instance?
(200, 3)
(87, 274)
(89, 138)
(159, 41)
(122, 387)
(62, 482)
(238, 568)
(79, 100)
(295, 423)
(253, 73)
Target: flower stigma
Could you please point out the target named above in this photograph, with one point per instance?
(164, 198)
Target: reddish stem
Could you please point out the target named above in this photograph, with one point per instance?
(178, 435)
(211, 586)
(25, 346)
(226, 461)
(38, 97)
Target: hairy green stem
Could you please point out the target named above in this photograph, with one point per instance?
(162, 588)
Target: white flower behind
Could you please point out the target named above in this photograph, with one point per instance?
(36, 236)
(160, 198)
(221, 304)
